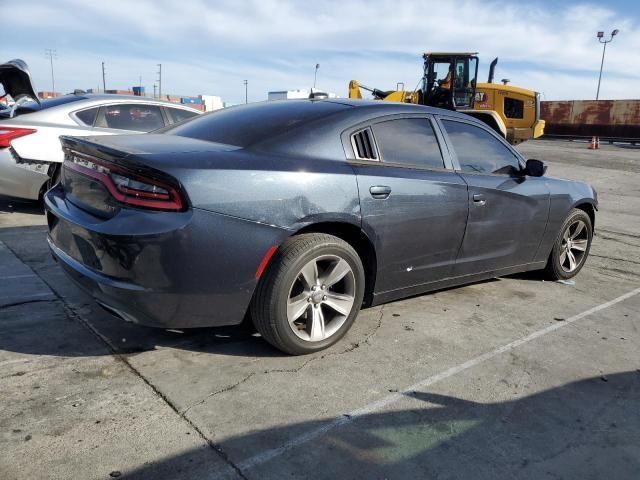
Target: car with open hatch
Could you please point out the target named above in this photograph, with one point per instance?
(30, 151)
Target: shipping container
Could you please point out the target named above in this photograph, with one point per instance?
(586, 118)
(190, 101)
(119, 92)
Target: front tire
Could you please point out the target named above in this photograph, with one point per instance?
(310, 293)
(572, 246)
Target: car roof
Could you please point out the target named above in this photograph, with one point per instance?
(57, 109)
(373, 108)
(320, 136)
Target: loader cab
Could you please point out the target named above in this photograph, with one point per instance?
(449, 80)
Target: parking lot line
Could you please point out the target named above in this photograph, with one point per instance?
(267, 455)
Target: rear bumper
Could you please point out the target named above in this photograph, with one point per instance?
(21, 181)
(161, 269)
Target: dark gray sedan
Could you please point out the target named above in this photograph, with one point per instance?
(297, 213)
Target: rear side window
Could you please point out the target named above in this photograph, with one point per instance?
(408, 141)
(135, 117)
(247, 125)
(478, 151)
(87, 117)
(178, 114)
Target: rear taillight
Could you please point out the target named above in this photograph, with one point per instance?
(126, 186)
(9, 133)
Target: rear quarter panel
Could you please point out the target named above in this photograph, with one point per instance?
(275, 190)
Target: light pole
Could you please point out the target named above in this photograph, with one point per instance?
(159, 80)
(104, 80)
(51, 53)
(604, 49)
(246, 91)
(315, 75)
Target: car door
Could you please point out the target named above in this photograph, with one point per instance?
(413, 204)
(508, 210)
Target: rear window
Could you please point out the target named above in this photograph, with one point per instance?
(246, 125)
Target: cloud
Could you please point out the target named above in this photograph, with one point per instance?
(211, 47)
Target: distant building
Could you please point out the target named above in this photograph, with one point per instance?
(300, 93)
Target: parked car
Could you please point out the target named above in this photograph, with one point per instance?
(30, 151)
(298, 212)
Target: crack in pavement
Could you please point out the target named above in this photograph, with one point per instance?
(350, 348)
(217, 392)
(26, 302)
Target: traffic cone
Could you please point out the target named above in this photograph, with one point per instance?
(594, 143)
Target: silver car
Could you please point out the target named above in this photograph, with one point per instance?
(30, 151)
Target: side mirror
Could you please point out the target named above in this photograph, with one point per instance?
(535, 168)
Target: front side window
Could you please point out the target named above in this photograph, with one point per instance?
(478, 151)
(408, 141)
(136, 117)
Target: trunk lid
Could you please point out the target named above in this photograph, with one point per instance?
(149, 161)
(15, 78)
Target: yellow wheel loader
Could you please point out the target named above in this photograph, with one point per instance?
(450, 81)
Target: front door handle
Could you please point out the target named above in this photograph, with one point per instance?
(478, 199)
(380, 191)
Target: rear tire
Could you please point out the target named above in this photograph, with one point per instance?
(571, 248)
(310, 293)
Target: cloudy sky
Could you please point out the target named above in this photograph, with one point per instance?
(210, 47)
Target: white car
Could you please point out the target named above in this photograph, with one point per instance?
(30, 151)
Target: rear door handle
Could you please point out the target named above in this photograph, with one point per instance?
(380, 191)
(479, 199)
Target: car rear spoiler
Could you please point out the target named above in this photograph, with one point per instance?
(16, 80)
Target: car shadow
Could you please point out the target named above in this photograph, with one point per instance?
(585, 429)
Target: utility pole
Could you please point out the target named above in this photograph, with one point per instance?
(104, 80)
(246, 91)
(155, 85)
(315, 75)
(601, 39)
(51, 54)
(159, 80)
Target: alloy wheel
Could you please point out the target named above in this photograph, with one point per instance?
(573, 248)
(321, 298)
